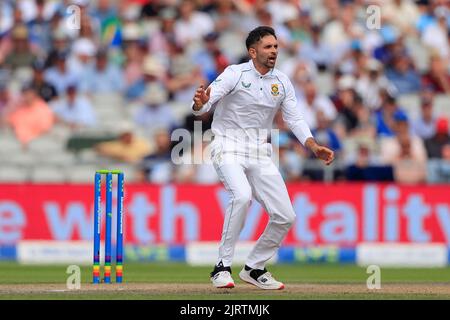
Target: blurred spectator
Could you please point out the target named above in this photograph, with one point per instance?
(409, 167)
(403, 144)
(6, 17)
(128, 147)
(154, 73)
(365, 166)
(157, 166)
(402, 14)
(156, 113)
(290, 163)
(325, 135)
(441, 137)
(82, 58)
(192, 24)
(211, 60)
(316, 50)
(159, 42)
(364, 127)
(44, 89)
(437, 78)
(424, 125)
(74, 110)
(371, 83)
(425, 15)
(4, 96)
(346, 101)
(104, 11)
(20, 55)
(60, 43)
(313, 103)
(439, 169)
(183, 76)
(403, 76)
(339, 33)
(103, 77)
(133, 70)
(39, 30)
(31, 117)
(435, 35)
(386, 116)
(59, 75)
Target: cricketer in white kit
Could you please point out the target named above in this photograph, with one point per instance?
(246, 98)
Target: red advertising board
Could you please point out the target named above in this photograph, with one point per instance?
(342, 214)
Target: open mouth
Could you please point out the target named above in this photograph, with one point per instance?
(272, 59)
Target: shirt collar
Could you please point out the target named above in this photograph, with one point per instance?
(268, 74)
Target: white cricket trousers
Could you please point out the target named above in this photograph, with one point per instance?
(245, 178)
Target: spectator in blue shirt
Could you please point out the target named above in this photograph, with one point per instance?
(385, 117)
(74, 109)
(103, 77)
(59, 75)
(403, 76)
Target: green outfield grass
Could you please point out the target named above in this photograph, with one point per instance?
(13, 275)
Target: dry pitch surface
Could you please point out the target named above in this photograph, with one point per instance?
(176, 281)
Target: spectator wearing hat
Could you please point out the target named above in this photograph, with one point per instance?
(74, 109)
(440, 138)
(21, 54)
(103, 77)
(153, 71)
(59, 75)
(372, 82)
(44, 88)
(155, 113)
(31, 117)
(403, 75)
(128, 147)
(424, 126)
(82, 57)
(59, 43)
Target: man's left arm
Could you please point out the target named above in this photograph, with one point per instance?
(294, 119)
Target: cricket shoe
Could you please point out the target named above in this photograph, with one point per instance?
(261, 278)
(221, 277)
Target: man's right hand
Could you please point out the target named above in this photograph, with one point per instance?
(201, 97)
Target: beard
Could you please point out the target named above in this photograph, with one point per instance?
(268, 62)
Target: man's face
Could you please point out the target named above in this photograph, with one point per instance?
(265, 51)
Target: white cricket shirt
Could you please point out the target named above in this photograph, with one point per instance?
(247, 102)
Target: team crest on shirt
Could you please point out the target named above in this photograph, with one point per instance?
(275, 91)
(246, 85)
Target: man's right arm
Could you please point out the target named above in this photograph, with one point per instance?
(219, 88)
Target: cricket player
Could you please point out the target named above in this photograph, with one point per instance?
(246, 98)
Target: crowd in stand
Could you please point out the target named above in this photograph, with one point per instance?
(156, 52)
